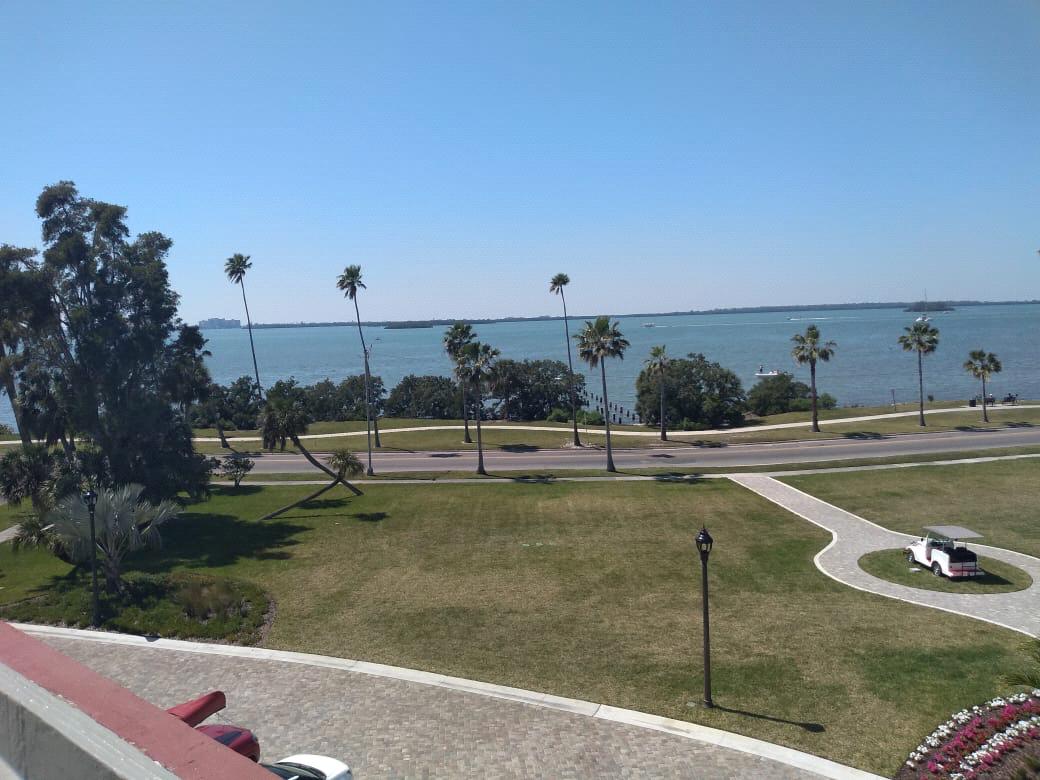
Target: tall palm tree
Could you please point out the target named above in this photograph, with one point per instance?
(476, 367)
(923, 339)
(235, 268)
(456, 338)
(657, 365)
(556, 285)
(350, 282)
(601, 339)
(809, 349)
(982, 365)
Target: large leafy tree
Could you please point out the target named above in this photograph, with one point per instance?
(922, 338)
(107, 363)
(476, 368)
(699, 393)
(531, 389)
(657, 365)
(809, 349)
(235, 268)
(456, 339)
(349, 282)
(599, 340)
(427, 397)
(556, 285)
(25, 309)
(782, 393)
(982, 365)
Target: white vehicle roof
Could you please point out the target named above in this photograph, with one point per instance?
(952, 531)
(330, 767)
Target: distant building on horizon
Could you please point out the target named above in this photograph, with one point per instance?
(218, 322)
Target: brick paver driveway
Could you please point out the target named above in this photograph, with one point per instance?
(854, 537)
(397, 728)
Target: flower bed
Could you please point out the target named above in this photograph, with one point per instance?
(998, 739)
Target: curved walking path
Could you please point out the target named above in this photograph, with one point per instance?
(853, 537)
(391, 722)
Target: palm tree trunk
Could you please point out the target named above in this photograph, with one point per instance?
(480, 439)
(223, 439)
(368, 407)
(606, 416)
(252, 347)
(812, 382)
(12, 396)
(465, 414)
(920, 384)
(570, 368)
(985, 414)
(664, 433)
(322, 467)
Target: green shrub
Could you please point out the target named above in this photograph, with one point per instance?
(183, 606)
(590, 417)
(558, 415)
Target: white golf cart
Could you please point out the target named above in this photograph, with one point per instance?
(942, 550)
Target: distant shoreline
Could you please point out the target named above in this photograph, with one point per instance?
(405, 324)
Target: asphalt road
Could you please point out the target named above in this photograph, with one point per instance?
(709, 456)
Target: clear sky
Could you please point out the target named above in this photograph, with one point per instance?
(668, 156)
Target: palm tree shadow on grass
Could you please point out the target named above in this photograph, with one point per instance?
(863, 435)
(370, 517)
(202, 541)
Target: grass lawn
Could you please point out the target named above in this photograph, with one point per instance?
(9, 515)
(998, 500)
(892, 565)
(497, 438)
(592, 591)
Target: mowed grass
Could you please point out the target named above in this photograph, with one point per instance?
(497, 437)
(592, 591)
(1000, 500)
(892, 565)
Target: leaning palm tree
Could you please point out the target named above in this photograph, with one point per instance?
(344, 463)
(456, 338)
(476, 367)
(923, 339)
(809, 349)
(235, 268)
(657, 365)
(556, 286)
(982, 365)
(601, 339)
(350, 282)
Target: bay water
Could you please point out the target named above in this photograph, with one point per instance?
(867, 367)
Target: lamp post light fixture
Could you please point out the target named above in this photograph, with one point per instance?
(704, 543)
(90, 499)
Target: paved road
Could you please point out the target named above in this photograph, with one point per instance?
(387, 727)
(854, 537)
(715, 456)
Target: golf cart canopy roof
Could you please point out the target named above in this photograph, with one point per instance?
(952, 532)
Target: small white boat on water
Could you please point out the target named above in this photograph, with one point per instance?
(649, 324)
(762, 372)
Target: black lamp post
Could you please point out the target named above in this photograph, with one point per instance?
(704, 542)
(90, 499)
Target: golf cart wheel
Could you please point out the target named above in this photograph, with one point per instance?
(937, 569)
(910, 557)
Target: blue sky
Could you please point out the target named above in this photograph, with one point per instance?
(668, 156)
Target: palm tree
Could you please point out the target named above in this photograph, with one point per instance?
(923, 339)
(657, 364)
(982, 365)
(476, 367)
(235, 268)
(344, 464)
(350, 282)
(809, 349)
(556, 285)
(456, 338)
(599, 340)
